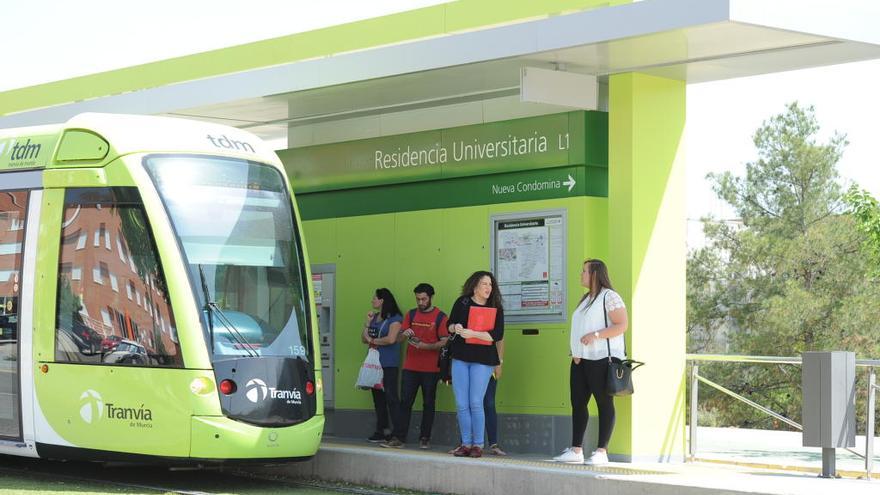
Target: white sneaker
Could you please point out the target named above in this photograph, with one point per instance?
(597, 458)
(570, 456)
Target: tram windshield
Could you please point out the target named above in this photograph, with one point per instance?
(236, 228)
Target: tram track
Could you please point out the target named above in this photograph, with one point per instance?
(46, 473)
(205, 481)
(331, 487)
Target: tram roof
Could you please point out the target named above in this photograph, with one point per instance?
(95, 139)
(437, 57)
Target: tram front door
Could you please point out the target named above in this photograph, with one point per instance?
(13, 206)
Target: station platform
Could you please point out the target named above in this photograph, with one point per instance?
(435, 471)
(775, 449)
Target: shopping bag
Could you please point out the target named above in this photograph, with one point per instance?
(371, 373)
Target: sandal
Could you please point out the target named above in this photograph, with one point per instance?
(494, 449)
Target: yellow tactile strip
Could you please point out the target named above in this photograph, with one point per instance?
(843, 473)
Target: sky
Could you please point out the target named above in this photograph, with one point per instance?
(721, 116)
(86, 36)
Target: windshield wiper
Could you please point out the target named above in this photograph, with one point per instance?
(207, 308)
(211, 309)
(236, 335)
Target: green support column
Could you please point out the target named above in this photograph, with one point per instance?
(647, 265)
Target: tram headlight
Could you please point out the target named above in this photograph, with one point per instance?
(201, 385)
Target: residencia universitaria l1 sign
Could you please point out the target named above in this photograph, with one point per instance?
(527, 144)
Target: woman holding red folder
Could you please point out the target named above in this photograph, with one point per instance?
(477, 322)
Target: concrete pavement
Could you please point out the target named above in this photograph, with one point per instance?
(778, 450)
(437, 472)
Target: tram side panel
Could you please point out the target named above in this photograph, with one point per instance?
(98, 383)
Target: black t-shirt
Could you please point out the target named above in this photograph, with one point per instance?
(475, 353)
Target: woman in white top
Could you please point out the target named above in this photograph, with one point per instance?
(597, 328)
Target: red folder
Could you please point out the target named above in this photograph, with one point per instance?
(481, 320)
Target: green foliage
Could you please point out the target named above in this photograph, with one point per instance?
(866, 211)
(789, 278)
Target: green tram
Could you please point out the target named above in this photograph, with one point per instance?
(155, 296)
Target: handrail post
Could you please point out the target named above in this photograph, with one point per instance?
(869, 430)
(695, 388)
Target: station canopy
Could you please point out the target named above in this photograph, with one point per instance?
(691, 40)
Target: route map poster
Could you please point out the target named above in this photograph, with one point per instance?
(528, 260)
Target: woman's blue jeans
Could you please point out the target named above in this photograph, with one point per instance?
(469, 382)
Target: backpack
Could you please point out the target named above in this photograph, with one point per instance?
(440, 316)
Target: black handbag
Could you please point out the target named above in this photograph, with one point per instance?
(618, 381)
(444, 360)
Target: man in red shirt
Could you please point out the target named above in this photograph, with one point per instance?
(424, 328)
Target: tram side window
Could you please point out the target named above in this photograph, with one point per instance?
(96, 322)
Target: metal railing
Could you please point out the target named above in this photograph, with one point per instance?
(696, 378)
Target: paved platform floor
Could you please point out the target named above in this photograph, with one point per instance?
(437, 472)
(777, 449)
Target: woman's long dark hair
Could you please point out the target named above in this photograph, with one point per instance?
(389, 304)
(470, 285)
(599, 280)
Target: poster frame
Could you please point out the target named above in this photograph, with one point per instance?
(494, 221)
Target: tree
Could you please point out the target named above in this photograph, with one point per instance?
(866, 211)
(790, 278)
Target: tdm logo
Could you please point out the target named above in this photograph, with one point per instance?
(91, 406)
(19, 151)
(230, 144)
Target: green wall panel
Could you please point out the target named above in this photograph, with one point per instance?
(320, 238)
(418, 237)
(365, 262)
(443, 247)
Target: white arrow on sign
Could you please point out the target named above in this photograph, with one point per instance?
(570, 183)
